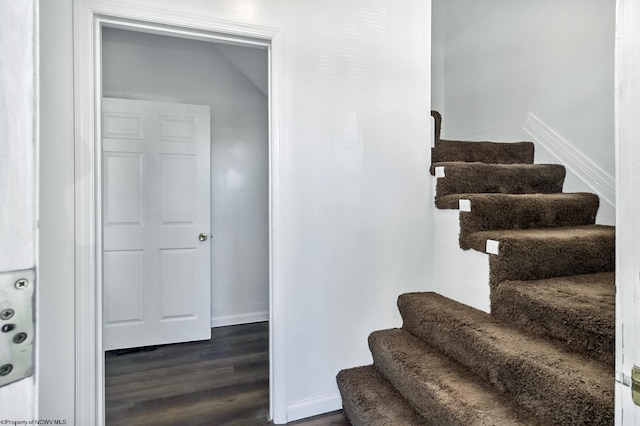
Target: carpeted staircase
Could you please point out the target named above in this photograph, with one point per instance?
(545, 354)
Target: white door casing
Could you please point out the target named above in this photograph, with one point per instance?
(156, 192)
(89, 16)
(627, 100)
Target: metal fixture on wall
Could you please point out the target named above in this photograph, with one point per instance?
(16, 325)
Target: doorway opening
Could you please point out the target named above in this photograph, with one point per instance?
(177, 90)
(89, 20)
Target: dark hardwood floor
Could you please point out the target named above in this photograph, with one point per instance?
(223, 381)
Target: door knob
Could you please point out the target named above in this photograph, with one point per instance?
(203, 237)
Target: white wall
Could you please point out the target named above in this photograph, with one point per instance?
(506, 61)
(628, 226)
(438, 42)
(355, 139)
(18, 234)
(55, 342)
(153, 67)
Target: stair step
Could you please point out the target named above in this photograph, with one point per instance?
(578, 310)
(482, 152)
(475, 178)
(532, 254)
(526, 211)
(369, 399)
(441, 390)
(559, 386)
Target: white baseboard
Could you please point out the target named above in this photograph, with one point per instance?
(222, 321)
(568, 155)
(313, 407)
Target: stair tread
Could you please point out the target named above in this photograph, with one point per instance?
(439, 388)
(472, 165)
(472, 178)
(562, 234)
(575, 196)
(451, 201)
(579, 310)
(362, 390)
(540, 375)
(483, 151)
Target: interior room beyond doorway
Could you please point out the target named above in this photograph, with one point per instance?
(233, 81)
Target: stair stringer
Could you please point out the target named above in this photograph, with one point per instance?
(468, 285)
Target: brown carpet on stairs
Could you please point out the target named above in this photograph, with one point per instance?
(369, 399)
(508, 208)
(578, 310)
(473, 178)
(440, 389)
(526, 211)
(483, 152)
(531, 254)
(545, 354)
(561, 387)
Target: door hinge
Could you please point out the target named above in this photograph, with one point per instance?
(623, 379)
(16, 325)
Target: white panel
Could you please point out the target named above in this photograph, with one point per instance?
(123, 279)
(628, 205)
(123, 125)
(492, 247)
(461, 275)
(464, 205)
(178, 197)
(178, 283)
(148, 181)
(17, 138)
(124, 189)
(182, 129)
(56, 320)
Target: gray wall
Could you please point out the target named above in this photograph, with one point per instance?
(506, 59)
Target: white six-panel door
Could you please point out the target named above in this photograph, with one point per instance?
(155, 194)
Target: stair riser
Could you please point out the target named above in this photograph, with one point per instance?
(496, 212)
(483, 152)
(576, 311)
(596, 345)
(534, 382)
(520, 262)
